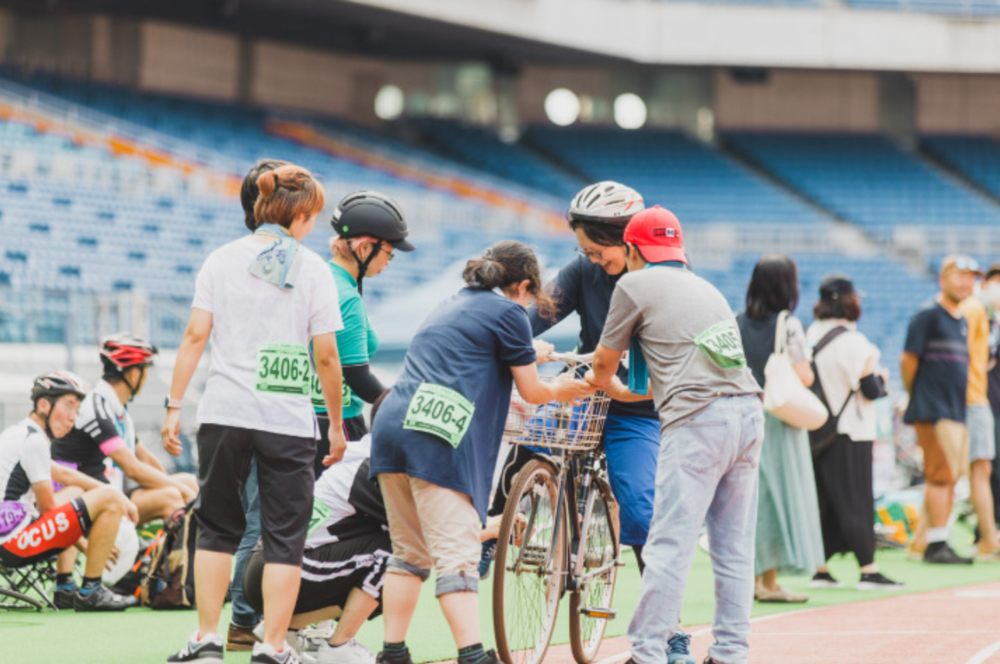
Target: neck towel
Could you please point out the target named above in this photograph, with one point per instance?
(638, 370)
(278, 264)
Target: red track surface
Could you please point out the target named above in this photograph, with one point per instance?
(954, 626)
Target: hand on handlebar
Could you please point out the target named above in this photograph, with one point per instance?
(568, 388)
(544, 350)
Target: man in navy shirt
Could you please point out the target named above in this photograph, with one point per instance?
(935, 371)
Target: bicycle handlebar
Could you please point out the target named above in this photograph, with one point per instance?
(571, 358)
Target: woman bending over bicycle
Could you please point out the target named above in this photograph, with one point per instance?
(436, 438)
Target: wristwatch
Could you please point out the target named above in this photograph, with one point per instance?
(170, 402)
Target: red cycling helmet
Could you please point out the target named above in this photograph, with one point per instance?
(123, 351)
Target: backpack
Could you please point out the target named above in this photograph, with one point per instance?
(822, 438)
(169, 584)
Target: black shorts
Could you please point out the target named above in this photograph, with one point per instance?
(329, 573)
(48, 535)
(354, 429)
(285, 480)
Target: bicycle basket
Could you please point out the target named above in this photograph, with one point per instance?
(557, 425)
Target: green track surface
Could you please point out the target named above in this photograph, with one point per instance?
(142, 636)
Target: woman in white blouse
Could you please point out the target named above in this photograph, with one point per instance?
(846, 365)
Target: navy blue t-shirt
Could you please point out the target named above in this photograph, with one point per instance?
(584, 287)
(941, 342)
(468, 344)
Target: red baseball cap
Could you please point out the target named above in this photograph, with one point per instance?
(657, 234)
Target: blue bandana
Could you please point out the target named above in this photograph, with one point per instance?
(638, 370)
(279, 263)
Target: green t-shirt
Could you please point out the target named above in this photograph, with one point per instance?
(356, 343)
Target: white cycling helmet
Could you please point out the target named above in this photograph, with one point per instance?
(608, 202)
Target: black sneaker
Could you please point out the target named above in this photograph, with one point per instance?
(207, 651)
(385, 658)
(878, 581)
(939, 553)
(824, 580)
(63, 599)
(101, 599)
(265, 654)
(491, 658)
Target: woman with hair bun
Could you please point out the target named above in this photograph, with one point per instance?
(262, 300)
(436, 438)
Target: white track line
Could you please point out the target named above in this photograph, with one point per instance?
(984, 654)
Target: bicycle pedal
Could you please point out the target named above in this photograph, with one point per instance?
(598, 613)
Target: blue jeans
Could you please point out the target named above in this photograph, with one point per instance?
(706, 471)
(243, 613)
(631, 445)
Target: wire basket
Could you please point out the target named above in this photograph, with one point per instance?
(557, 425)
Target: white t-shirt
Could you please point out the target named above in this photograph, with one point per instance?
(24, 460)
(249, 315)
(840, 366)
(347, 503)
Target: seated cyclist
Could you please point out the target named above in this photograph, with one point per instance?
(344, 563)
(104, 431)
(36, 522)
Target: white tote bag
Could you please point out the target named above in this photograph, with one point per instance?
(785, 396)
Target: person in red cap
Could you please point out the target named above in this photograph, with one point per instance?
(684, 343)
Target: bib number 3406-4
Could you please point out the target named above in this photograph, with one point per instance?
(283, 368)
(439, 411)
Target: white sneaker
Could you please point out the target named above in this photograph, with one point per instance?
(263, 653)
(293, 639)
(351, 652)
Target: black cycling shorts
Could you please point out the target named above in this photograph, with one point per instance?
(329, 573)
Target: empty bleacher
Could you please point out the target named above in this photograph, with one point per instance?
(865, 178)
(976, 158)
(670, 169)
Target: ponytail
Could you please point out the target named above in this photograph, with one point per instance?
(506, 263)
(485, 274)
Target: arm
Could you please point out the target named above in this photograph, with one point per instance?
(328, 371)
(147, 457)
(805, 373)
(363, 382)
(70, 477)
(196, 336)
(606, 361)
(145, 475)
(45, 497)
(533, 390)
(908, 365)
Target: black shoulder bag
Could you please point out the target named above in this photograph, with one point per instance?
(822, 438)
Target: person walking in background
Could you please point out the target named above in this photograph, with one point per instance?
(980, 424)
(935, 371)
(789, 539)
(685, 345)
(846, 366)
(991, 296)
(261, 299)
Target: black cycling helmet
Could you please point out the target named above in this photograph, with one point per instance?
(55, 384)
(51, 386)
(369, 213)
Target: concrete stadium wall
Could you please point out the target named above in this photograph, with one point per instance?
(189, 61)
(958, 104)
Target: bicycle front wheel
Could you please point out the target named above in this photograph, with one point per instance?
(591, 605)
(530, 552)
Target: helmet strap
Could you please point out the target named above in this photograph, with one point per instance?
(363, 264)
(134, 388)
(46, 416)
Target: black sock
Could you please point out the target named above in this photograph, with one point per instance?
(65, 581)
(637, 549)
(89, 584)
(472, 654)
(395, 648)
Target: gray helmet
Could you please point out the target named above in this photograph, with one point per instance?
(374, 214)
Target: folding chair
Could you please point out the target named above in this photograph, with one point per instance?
(28, 588)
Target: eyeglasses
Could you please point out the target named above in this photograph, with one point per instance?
(592, 255)
(392, 254)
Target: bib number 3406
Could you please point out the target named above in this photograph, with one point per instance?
(439, 411)
(283, 368)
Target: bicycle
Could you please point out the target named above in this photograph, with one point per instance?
(559, 531)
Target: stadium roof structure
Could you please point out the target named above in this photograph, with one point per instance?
(349, 27)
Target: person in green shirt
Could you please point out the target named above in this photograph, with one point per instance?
(370, 229)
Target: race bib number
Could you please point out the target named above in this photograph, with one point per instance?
(320, 513)
(283, 369)
(439, 411)
(346, 394)
(12, 513)
(722, 344)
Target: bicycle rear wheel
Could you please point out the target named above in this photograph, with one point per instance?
(586, 624)
(527, 585)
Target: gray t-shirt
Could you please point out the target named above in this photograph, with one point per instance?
(688, 335)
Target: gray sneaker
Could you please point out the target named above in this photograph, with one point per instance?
(101, 599)
(207, 651)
